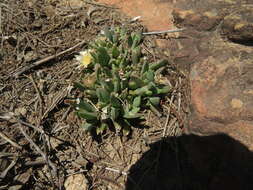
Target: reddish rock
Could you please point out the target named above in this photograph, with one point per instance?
(238, 26)
(200, 21)
(220, 71)
(155, 15)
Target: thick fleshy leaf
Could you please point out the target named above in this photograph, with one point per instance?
(101, 128)
(137, 101)
(133, 114)
(86, 106)
(103, 56)
(149, 93)
(115, 52)
(107, 85)
(136, 54)
(107, 72)
(115, 38)
(155, 101)
(97, 72)
(87, 126)
(108, 33)
(150, 75)
(88, 115)
(126, 130)
(144, 68)
(155, 66)
(123, 62)
(130, 41)
(94, 56)
(79, 86)
(164, 90)
(114, 113)
(115, 102)
(116, 82)
(91, 93)
(135, 83)
(103, 95)
(140, 91)
(116, 85)
(117, 126)
(136, 37)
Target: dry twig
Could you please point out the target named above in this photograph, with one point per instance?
(56, 100)
(41, 100)
(44, 60)
(99, 4)
(12, 164)
(10, 141)
(47, 160)
(163, 32)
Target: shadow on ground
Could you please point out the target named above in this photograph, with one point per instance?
(193, 163)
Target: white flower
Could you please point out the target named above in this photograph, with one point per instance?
(78, 101)
(84, 58)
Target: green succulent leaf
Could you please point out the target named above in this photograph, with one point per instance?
(108, 33)
(163, 90)
(155, 101)
(79, 86)
(84, 105)
(137, 101)
(87, 127)
(133, 114)
(150, 75)
(137, 37)
(149, 93)
(115, 38)
(145, 68)
(130, 41)
(136, 54)
(103, 95)
(103, 56)
(97, 72)
(91, 93)
(114, 113)
(115, 52)
(107, 72)
(95, 57)
(107, 85)
(135, 83)
(126, 130)
(117, 126)
(140, 91)
(155, 66)
(123, 62)
(115, 102)
(88, 115)
(101, 128)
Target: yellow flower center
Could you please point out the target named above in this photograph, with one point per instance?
(86, 59)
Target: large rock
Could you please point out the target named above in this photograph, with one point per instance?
(217, 50)
(155, 15)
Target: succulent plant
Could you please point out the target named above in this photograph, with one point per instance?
(123, 84)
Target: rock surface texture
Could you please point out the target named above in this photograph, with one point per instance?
(217, 48)
(220, 34)
(155, 14)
